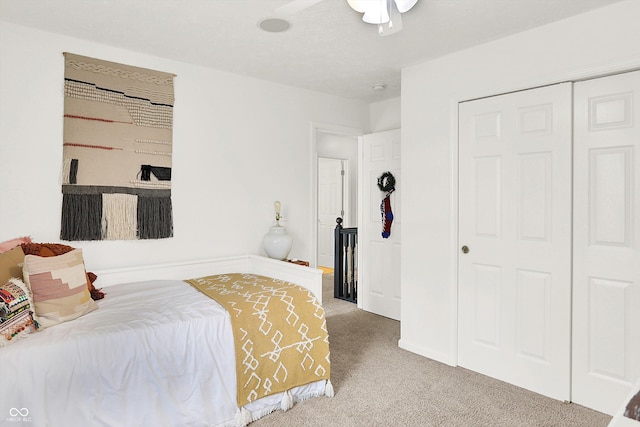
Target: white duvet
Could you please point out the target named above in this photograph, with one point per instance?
(156, 353)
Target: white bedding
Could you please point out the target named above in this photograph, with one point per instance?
(155, 353)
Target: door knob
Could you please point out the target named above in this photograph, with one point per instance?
(465, 249)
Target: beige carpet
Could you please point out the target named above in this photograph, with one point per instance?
(378, 384)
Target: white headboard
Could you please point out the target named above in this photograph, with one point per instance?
(306, 277)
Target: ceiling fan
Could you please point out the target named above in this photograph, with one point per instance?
(382, 12)
(378, 12)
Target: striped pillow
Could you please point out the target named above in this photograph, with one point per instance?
(59, 287)
(16, 320)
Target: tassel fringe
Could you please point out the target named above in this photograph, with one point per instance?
(243, 417)
(81, 217)
(328, 389)
(155, 219)
(287, 401)
(119, 216)
(115, 216)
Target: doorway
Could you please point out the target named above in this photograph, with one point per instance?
(333, 146)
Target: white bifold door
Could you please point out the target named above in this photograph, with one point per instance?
(549, 232)
(606, 249)
(514, 287)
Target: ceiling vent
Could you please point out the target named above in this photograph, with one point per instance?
(274, 25)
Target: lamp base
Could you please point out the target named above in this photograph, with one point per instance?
(277, 243)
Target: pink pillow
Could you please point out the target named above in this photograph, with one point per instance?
(10, 244)
(58, 287)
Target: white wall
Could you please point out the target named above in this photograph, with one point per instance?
(599, 42)
(385, 115)
(239, 144)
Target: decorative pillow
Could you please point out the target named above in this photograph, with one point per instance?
(58, 287)
(53, 249)
(11, 264)
(45, 249)
(10, 244)
(16, 320)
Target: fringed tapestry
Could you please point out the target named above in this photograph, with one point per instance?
(118, 122)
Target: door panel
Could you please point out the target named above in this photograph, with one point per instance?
(515, 218)
(331, 204)
(606, 290)
(378, 257)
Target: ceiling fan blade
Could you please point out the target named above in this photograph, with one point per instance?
(294, 7)
(376, 12)
(405, 5)
(357, 5)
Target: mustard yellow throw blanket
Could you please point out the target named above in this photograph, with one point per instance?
(279, 329)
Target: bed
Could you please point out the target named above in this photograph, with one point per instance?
(157, 351)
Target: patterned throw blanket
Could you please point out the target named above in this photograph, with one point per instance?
(279, 329)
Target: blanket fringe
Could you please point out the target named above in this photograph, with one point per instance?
(328, 389)
(308, 396)
(263, 413)
(243, 417)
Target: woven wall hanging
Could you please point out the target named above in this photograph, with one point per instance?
(118, 122)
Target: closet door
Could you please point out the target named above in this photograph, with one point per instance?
(606, 290)
(514, 281)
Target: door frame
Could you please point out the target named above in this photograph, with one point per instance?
(572, 76)
(314, 129)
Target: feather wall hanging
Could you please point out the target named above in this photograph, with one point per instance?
(118, 126)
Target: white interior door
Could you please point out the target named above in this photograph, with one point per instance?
(378, 257)
(331, 205)
(515, 219)
(606, 290)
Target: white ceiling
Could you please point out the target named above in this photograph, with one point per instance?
(328, 48)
